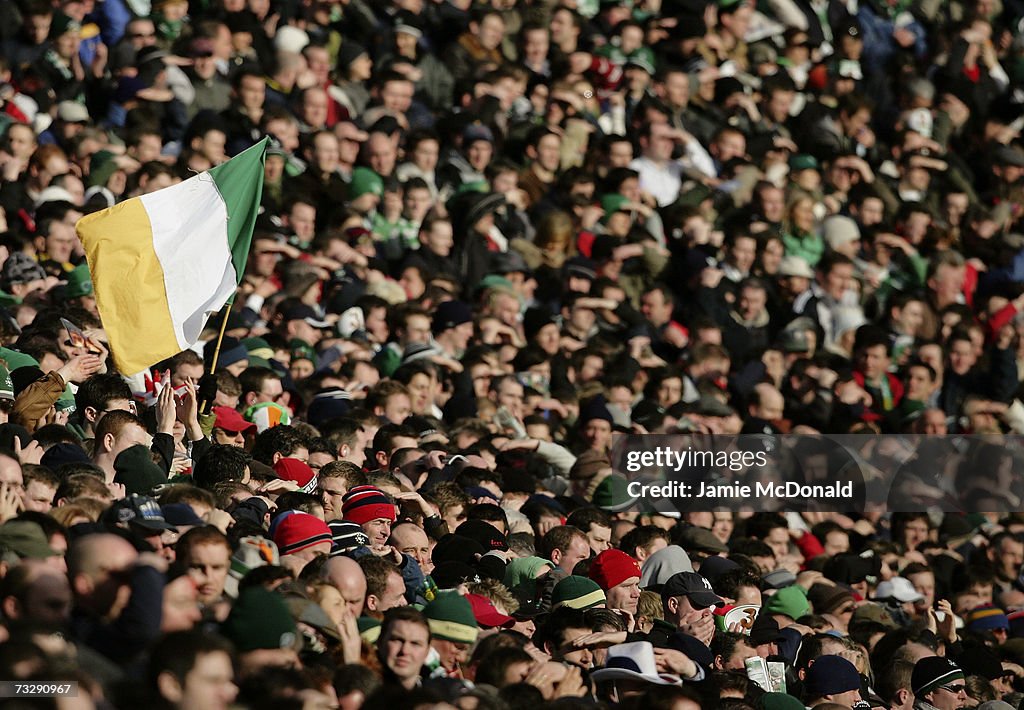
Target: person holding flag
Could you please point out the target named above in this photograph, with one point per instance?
(162, 263)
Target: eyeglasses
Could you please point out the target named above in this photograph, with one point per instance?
(227, 432)
(954, 689)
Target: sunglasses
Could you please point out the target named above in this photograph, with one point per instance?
(955, 689)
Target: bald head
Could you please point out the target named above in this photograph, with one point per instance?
(95, 567)
(95, 554)
(767, 402)
(410, 539)
(345, 575)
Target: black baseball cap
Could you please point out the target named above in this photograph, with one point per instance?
(765, 629)
(305, 313)
(138, 510)
(483, 533)
(853, 569)
(850, 27)
(694, 586)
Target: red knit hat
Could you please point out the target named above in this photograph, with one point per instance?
(299, 471)
(613, 567)
(298, 531)
(365, 503)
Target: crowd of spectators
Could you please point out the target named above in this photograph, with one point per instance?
(495, 236)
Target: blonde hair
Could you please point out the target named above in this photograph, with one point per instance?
(649, 606)
(498, 594)
(78, 507)
(556, 230)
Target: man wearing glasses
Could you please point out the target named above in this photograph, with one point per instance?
(937, 682)
(139, 33)
(230, 428)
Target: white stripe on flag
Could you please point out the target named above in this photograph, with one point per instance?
(198, 273)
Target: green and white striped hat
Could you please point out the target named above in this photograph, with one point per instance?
(450, 617)
(577, 593)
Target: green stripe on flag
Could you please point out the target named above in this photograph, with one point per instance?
(240, 182)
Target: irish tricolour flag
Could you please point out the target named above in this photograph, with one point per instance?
(162, 263)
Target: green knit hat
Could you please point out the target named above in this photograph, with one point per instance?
(493, 281)
(450, 617)
(136, 470)
(523, 569)
(779, 701)
(802, 161)
(577, 592)
(612, 203)
(66, 402)
(63, 24)
(260, 620)
(791, 601)
(260, 352)
(369, 629)
(932, 672)
(473, 186)
(79, 282)
(643, 58)
(101, 167)
(6, 385)
(365, 180)
(258, 347)
(25, 539)
(16, 359)
(301, 350)
(612, 494)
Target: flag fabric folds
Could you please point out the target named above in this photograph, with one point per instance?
(162, 263)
